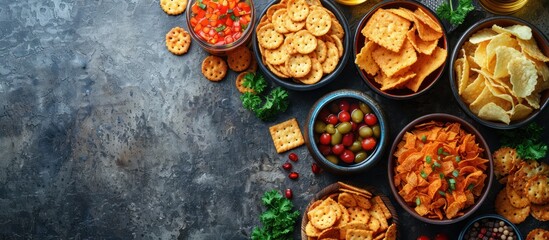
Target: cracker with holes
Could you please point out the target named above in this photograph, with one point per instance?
(318, 22)
(173, 7)
(240, 83)
(505, 209)
(178, 41)
(239, 59)
(214, 68)
(286, 135)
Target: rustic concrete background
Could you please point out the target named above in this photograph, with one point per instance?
(106, 135)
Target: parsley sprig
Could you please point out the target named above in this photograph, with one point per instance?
(526, 140)
(278, 220)
(455, 16)
(264, 106)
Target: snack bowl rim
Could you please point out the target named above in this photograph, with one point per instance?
(326, 79)
(488, 22)
(365, 77)
(484, 216)
(445, 118)
(323, 102)
(220, 49)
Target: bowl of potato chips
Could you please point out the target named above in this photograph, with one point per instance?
(400, 49)
(344, 211)
(302, 44)
(440, 169)
(499, 73)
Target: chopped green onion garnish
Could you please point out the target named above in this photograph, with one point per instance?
(428, 159)
(440, 149)
(418, 201)
(455, 173)
(445, 153)
(452, 181)
(436, 164)
(233, 17)
(423, 174)
(458, 159)
(423, 138)
(230, 11)
(470, 187)
(220, 28)
(442, 193)
(441, 175)
(201, 5)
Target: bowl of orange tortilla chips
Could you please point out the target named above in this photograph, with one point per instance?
(400, 49)
(440, 169)
(344, 211)
(499, 73)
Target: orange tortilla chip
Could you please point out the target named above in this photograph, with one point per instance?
(425, 65)
(425, 47)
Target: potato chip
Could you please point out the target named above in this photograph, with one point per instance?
(482, 35)
(520, 112)
(502, 39)
(480, 55)
(531, 48)
(523, 75)
(520, 31)
(503, 56)
(473, 90)
(463, 75)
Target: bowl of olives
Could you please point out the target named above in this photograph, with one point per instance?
(346, 132)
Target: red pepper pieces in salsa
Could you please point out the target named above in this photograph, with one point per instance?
(220, 22)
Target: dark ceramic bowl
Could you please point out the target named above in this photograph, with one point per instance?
(543, 44)
(288, 82)
(311, 142)
(490, 217)
(399, 94)
(444, 118)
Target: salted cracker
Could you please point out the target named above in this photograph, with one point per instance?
(286, 135)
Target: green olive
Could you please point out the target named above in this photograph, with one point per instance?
(344, 127)
(320, 127)
(377, 131)
(330, 129)
(360, 156)
(332, 159)
(357, 115)
(364, 107)
(357, 146)
(336, 138)
(365, 131)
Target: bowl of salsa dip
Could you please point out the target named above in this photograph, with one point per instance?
(220, 26)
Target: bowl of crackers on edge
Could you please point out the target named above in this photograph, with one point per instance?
(220, 26)
(361, 136)
(343, 211)
(302, 44)
(440, 169)
(503, 82)
(400, 49)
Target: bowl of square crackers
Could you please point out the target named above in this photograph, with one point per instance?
(303, 44)
(400, 49)
(344, 211)
(499, 73)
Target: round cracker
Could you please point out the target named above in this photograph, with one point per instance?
(239, 58)
(505, 159)
(338, 44)
(318, 22)
(540, 212)
(504, 208)
(321, 50)
(538, 234)
(272, 9)
(314, 75)
(537, 189)
(268, 37)
(276, 71)
(214, 68)
(304, 42)
(240, 83)
(298, 10)
(279, 20)
(294, 26)
(277, 56)
(290, 44)
(299, 65)
(336, 29)
(331, 61)
(173, 7)
(253, 65)
(515, 199)
(178, 41)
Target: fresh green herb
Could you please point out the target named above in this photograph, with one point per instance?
(527, 141)
(423, 138)
(455, 173)
(233, 17)
(458, 159)
(278, 220)
(423, 174)
(440, 150)
(274, 103)
(418, 201)
(442, 193)
(428, 159)
(457, 16)
(220, 28)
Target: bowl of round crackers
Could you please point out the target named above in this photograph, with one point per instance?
(440, 169)
(344, 211)
(302, 44)
(400, 49)
(499, 73)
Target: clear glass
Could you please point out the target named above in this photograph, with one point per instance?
(221, 50)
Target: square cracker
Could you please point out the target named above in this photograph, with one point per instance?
(392, 62)
(387, 29)
(286, 135)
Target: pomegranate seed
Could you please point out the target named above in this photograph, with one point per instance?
(293, 157)
(288, 193)
(315, 168)
(293, 175)
(287, 166)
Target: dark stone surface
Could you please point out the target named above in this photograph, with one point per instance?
(106, 135)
